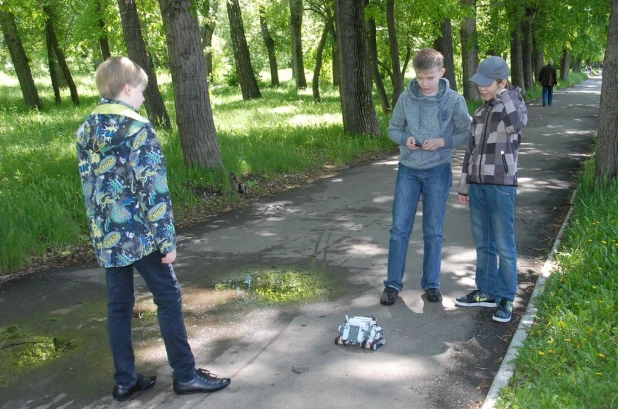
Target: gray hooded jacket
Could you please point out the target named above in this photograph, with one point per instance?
(444, 115)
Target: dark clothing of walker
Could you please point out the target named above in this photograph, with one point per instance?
(548, 77)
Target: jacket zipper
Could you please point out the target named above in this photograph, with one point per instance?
(506, 167)
(483, 139)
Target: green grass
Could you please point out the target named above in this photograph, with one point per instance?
(42, 210)
(569, 359)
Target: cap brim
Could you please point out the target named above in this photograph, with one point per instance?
(481, 80)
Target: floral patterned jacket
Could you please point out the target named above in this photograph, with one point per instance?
(124, 183)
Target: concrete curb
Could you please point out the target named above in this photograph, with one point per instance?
(507, 368)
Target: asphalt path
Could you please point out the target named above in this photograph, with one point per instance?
(283, 355)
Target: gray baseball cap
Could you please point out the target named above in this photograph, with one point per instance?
(489, 70)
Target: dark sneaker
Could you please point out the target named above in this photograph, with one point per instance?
(204, 382)
(433, 294)
(121, 393)
(388, 296)
(475, 298)
(504, 311)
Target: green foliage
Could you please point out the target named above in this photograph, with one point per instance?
(277, 286)
(568, 360)
(21, 350)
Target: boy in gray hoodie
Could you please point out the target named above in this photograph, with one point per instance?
(429, 121)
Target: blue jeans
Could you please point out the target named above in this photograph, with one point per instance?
(163, 285)
(492, 215)
(548, 94)
(433, 185)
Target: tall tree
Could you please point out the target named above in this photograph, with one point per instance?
(607, 137)
(375, 68)
(359, 115)
(469, 49)
(242, 57)
(296, 28)
(103, 41)
(52, 63)
(196, 126)
(209, 10)
(527, 54)
(50, 17)
(444, 44)
(335, 53)
(328, 25)
(269, 42)
(20, 60)
(565, 64)
(517, 68)
(136, 47)
(396, 73)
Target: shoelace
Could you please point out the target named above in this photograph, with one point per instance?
(205, 373)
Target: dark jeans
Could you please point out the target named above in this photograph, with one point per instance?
(163, 285)
(548, 95)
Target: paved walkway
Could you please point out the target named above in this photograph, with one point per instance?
(436, 356)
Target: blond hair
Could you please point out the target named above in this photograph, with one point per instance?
(114, 73)
(427, 59)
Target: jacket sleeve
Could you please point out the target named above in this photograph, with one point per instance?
(397, 125)
(150, 171)
(461, 125)
(515, 111)
(463, 188)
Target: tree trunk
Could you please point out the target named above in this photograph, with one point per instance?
(136, 47)
(359, 115)
(198, 135)
(396, 74)
(246, 77)
(375, 71)
(444, 44)
(20, 61)
(577, 67)
(335, 53)
(52, 62)
(606, 166)
(538, 57)
(527, 54)
(296, 23)
(270, 48)
(565, 64)
(103, 41)
(469, 50)
(209, 13)
(328, 26)
(517, 68)
(49, 19)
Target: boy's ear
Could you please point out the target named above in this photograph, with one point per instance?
(442, 72)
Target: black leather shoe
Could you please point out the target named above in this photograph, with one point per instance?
(204, 382)
(143, 382)
(389, 296)
(433, 294)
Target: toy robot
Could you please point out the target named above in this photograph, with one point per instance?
(361, 330)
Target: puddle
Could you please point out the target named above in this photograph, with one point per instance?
(21, 351)
(276, 286)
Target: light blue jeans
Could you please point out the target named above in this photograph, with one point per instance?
(492, 215)
(433, 185)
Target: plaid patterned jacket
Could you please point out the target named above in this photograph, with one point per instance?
(491, 151)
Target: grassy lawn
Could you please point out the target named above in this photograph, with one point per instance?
(279, 141)
(569, 358)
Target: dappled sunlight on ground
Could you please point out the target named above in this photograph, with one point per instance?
(315, 120)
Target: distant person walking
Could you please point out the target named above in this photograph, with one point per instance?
(429, 121)
(489, 183)
(124, 183)
(548, 77)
